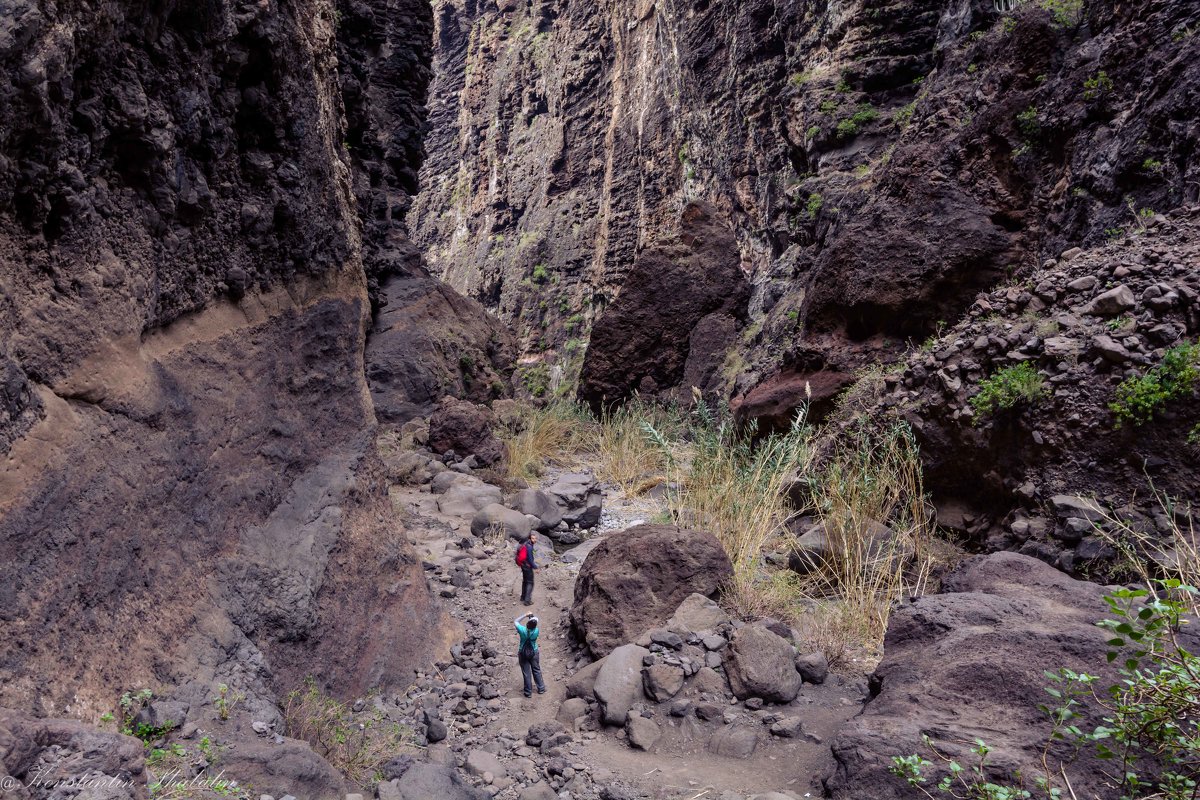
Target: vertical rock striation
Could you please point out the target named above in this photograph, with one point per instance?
(878, 162)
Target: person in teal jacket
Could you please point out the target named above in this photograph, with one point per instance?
(527, 653)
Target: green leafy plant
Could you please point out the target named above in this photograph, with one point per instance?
(1066, 13)
(815, 203)
(800, 78)
(1152, 165)
(1097, 86)
(829, 106)
(536, 379)
(1010, 387)
(540, 273)
(1140, 398)
(1028, 122)
(812, 131)
(1194, 436)
(902, 117)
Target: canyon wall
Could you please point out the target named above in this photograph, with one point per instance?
(190, 493)
(878, 163)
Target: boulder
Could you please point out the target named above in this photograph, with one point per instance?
(422, 780)
(813, 667)
(761, 664)
(571, 709)
(619, 682)
(816, 546)
(634, 579)
(63, 750)
(1115, 301)
(734, 741)
(442, 482)
(788, 728)
(163, 714)
(697, 613)
(1001, 620)
(480, 762)
(578, 496)
(538, 504)
(495, 519)
(408, 363)
(661, 682)
(641, 732)
(538, 791)
(467, 497)
(583, 682)
(466, 428)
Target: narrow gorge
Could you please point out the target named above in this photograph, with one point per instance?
(841, 355)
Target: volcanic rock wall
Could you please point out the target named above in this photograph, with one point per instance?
(190, 493)
(878, 162)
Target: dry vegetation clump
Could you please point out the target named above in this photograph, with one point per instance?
(744, 489)
(553, 434)
(357, 745)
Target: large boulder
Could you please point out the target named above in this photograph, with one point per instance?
(619, 682)
(62, 751)
(505, 522)
(760, 663)
(537, 503)
(967, 664)
(697, 613)
(635, 579)
(468, 496)
(466, 428)
(429, 341)
(578, 496)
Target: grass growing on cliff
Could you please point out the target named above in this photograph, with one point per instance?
(357, 745)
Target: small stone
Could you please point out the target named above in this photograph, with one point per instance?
(641, 732)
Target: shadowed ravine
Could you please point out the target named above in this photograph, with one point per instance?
(267, 457)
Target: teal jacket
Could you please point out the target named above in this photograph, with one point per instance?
(526, 635)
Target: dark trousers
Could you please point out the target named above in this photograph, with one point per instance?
(526, 584)
(531, 671)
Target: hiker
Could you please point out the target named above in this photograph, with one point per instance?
(525, 560)
(527, 654)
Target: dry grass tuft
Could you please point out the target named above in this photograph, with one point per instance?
(625, 455)
(554, 434)
(1153, 557)
(872, 477)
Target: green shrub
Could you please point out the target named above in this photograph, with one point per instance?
(536, 379)
(1065, 12)
(540, 273)
(1141, 397)
(1028, 122)
(1097, 86)
(829, 106)
(1153, 165)
(1010, 387)
(815, 202)
(903, 115)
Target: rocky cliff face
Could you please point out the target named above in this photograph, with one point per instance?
(877, 163)
(190, 493)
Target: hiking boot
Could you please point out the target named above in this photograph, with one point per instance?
(529, 694)
(541, 691)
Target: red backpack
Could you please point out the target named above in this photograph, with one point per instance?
(522, 555)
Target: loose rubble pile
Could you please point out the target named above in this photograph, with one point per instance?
(1086, 321)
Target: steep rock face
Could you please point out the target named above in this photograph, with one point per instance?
(190, 493)
(676, 315)
(879, 163)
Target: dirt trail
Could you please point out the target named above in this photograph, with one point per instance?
(680, 765)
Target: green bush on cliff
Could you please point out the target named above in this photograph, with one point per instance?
(1010, 387)
(1140, 398)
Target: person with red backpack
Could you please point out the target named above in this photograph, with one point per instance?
(525, 560)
